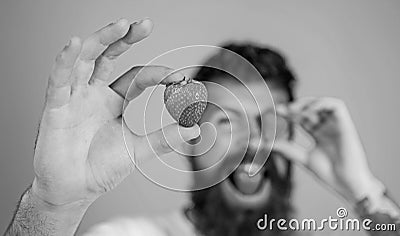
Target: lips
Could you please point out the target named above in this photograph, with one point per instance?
(244, 182)
(243, 191)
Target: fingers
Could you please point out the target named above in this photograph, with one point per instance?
(94, 46)
(295, 108)
(137, 32)
(136, 80)
(316, 164)
(309, 120)
(60, 80)
(165, 140)
(328, 105)
(298, 112)
(310, 113)
(291, 151)
(104, 64)
(75, 64)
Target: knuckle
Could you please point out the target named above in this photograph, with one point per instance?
(124, 44)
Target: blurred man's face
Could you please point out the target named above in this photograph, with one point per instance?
(242, 126)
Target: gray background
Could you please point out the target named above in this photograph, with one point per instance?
(346, 49)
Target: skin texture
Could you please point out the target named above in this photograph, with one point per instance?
(81, 133)
(81, 130)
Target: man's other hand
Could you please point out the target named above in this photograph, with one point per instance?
(337, 157)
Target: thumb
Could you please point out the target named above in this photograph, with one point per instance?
(165, 140)
(291, 151)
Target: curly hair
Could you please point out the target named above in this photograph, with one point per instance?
(269, 63)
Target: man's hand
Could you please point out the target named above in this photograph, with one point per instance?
(80, 151)
(338, 157)
(82, 146)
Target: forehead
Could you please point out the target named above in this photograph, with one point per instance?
(252, 97)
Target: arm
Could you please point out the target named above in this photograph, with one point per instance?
(338, 159)
(83, 146)
(379, 207)
(132, 227)
(35, 217)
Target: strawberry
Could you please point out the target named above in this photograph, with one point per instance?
(186, 101)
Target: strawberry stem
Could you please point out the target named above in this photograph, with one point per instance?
(185, 79)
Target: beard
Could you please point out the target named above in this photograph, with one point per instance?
(212, 215)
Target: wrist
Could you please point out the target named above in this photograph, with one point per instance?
(38, 216)
(55, 198)
(379, 205)
(370, 188)
(73, 208)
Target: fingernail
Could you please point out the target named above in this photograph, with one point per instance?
(73, 41)
(69, 42)
(193, 131)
